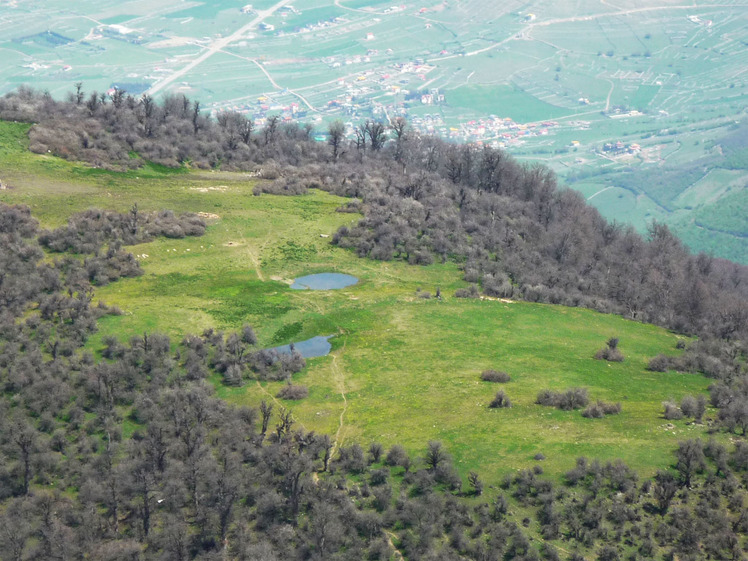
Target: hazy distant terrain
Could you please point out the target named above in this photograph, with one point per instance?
(637, 104)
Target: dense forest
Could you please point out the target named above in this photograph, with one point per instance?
(191, 477)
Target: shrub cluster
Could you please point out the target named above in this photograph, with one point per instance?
(293, 391)
(690, 406)
(573, 398)
(471, 292)
(600, 409)
(88, 231)
(610, 351)
(495, 376)
(500, 401)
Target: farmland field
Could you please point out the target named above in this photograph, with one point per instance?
(607, 95)
(403, 368)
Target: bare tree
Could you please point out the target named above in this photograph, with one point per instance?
(269, 132)
(399, 128)
(377, 133)
(336, 136)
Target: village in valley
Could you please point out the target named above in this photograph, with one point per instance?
(596, 95)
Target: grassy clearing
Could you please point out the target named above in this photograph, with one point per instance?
(403, 369)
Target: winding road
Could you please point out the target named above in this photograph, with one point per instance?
(530, 26)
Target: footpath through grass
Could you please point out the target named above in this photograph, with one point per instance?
(404, 369)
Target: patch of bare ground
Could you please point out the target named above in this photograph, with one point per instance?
(213, 188)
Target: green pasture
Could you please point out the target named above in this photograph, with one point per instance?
(503, 101)
(205, 10)
(404, 369)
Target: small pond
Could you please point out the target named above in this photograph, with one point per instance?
(316, 346)
(324, 281)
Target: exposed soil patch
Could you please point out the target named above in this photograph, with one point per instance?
(172, 42)
(219, 188)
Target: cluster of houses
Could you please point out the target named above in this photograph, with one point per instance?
(620, 148)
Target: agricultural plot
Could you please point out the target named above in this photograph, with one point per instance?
(543, 80)
(403, 368)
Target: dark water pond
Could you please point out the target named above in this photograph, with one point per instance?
(316, 346)
(324, 281)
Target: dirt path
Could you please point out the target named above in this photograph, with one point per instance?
(253, 255)
(390, 535)
(610, 93)
(272, 81)
(600, 191)
(339, 378)
(256, 263)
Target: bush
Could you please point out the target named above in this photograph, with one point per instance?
(593, 411)
(611, 408)
(397, 456)
(611, 355)
(610, 352)
(693, 407)
(494, 376)
(660, 363)
(471, 292)
(600, 409)
(671, 411)
(688, 406)
(573, 398)
(500, 401)
(293, 391)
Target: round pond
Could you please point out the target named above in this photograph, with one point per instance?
(324, 281)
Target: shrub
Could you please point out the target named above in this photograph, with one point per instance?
(351, 459)
(375, 452)
(693, 406)
(494, 376)
(397, 456)
(501, 400)
(471, 292)
(610, 351)
(688, 406)
(671, 411)
(600, 409)
(660, 363)
(233, 375)
(379, 476)
(573, 398)
(611, 408)
(548, 398)
(593, 411)
(293, 391)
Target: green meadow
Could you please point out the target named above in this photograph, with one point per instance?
(404, 368)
